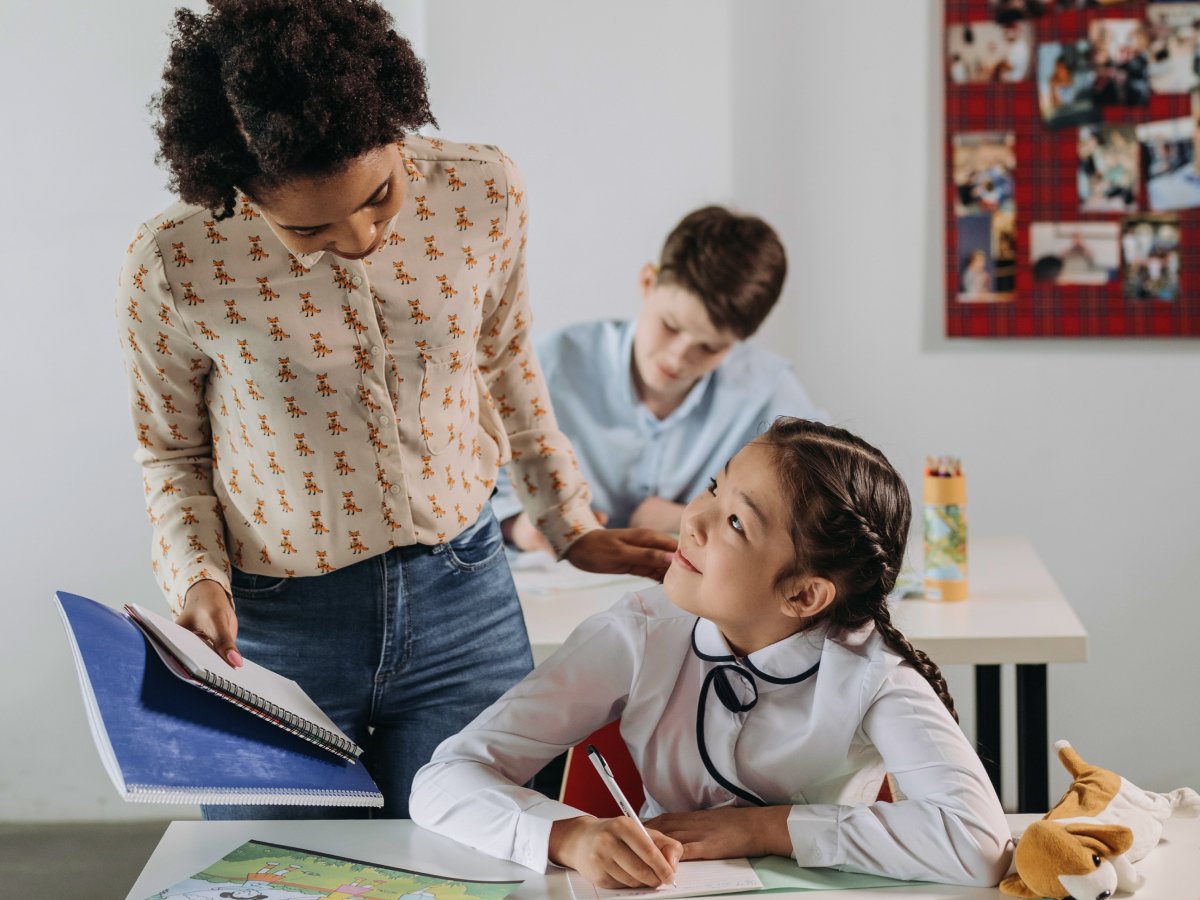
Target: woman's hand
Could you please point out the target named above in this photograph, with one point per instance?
(614, 853)
(633, 551)
(208, 611)
(728, 832)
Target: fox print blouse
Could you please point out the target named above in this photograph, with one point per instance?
(296, 414)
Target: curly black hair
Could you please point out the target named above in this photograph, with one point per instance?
(256, 92)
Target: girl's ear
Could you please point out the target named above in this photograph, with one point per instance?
(808, 597)
(647, 278)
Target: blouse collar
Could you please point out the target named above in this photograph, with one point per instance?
(785, 662)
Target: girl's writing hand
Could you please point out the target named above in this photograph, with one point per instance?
(208, 611)
(614, 853)
(728, 832)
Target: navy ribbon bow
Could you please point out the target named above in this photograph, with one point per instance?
(717, 681)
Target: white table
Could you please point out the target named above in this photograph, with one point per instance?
(187, 847)
(1015, 615)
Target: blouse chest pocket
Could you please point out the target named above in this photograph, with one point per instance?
(448, 396)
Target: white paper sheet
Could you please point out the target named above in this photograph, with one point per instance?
(695, 878)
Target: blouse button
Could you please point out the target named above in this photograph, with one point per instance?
(395, 489)
(384, 420)
(356, 281)
(376, 350)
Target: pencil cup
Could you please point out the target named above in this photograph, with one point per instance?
(945, 536)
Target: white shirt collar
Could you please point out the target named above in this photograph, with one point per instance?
(779, 664)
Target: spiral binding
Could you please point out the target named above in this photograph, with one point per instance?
(141, 793)
(269, 711)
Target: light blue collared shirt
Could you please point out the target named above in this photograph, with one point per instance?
(628, 454)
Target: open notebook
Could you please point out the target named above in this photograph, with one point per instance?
(277, 699)
(769, 874)
(163, 741)
(692, 879)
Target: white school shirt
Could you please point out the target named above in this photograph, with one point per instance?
(832, 715)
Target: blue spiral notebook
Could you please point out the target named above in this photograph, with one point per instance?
(163, 741)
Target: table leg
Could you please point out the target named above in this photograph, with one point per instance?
(1033, 753)
(987, 720)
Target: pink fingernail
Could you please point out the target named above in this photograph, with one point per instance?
(235, 659)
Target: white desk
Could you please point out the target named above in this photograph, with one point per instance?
(1016, 614)
(187, 847)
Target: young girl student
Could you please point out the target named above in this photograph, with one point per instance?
(763, 693)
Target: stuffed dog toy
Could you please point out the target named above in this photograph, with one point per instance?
(1085, 847)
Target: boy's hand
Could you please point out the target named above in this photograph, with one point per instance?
(520, 531)
(614, 853)
(208, 612)
(728, 832)
(632, 551)
(657, 513)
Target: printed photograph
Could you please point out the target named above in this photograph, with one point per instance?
(1016, 10)
(1169, 160)
(1075, 252)
(1005, 11)
(981, 52)
(1065, 81)
(1109, 168)
(1150, 253)
(983, 172)
(1174, 47)
(1120, 62)
(1004, 255)
(986, 268)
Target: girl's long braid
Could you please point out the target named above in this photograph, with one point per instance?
(852, 514)
(918, 659)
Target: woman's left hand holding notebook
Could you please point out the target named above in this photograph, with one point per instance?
(208, 612)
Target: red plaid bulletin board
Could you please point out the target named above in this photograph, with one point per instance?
(1072, 192)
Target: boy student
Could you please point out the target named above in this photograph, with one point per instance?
(654, 405)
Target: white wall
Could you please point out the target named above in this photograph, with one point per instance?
(623, 115)
(78, 175)
(618, 114)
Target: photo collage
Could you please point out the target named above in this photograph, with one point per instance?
(1072, 128)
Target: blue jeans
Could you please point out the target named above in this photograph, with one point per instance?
(401, 650)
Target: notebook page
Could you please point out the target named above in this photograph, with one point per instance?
(538, 573)
(197, 656)
(694, 878)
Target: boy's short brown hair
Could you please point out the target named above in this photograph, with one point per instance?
(734, 264)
